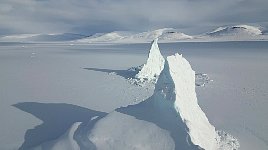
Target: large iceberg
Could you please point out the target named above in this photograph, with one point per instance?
(177, 84)
(174, 107)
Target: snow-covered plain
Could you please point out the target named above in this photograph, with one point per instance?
(46, 88)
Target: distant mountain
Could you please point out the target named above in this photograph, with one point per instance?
(42, 37)
(174, 36)
(239, 30)
(165, 35)
(106, 37)
(234, 33)
(228, 33)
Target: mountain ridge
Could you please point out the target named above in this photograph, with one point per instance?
(165, 35)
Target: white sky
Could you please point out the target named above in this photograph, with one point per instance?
(91, 16)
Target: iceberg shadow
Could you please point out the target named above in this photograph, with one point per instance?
(127, 74)
(160, 114)
(57, 119)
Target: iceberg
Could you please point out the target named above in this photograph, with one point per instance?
(154, 65)
(170, 119)
(177, 84)
(174, 107)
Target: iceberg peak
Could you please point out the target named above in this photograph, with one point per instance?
(154, 65)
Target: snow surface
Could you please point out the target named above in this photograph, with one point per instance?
(154, 65)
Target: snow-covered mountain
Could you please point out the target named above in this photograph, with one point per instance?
(165, 35)
(42, 37)
(106, 37)
(234, 33)
(239, 30)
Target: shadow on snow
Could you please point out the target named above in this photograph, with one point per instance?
(123, 73)
(57, 119)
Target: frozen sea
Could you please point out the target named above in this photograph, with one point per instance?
(56, 83)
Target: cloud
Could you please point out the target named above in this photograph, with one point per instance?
(90, 16)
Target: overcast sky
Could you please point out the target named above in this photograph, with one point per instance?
(91, 16)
